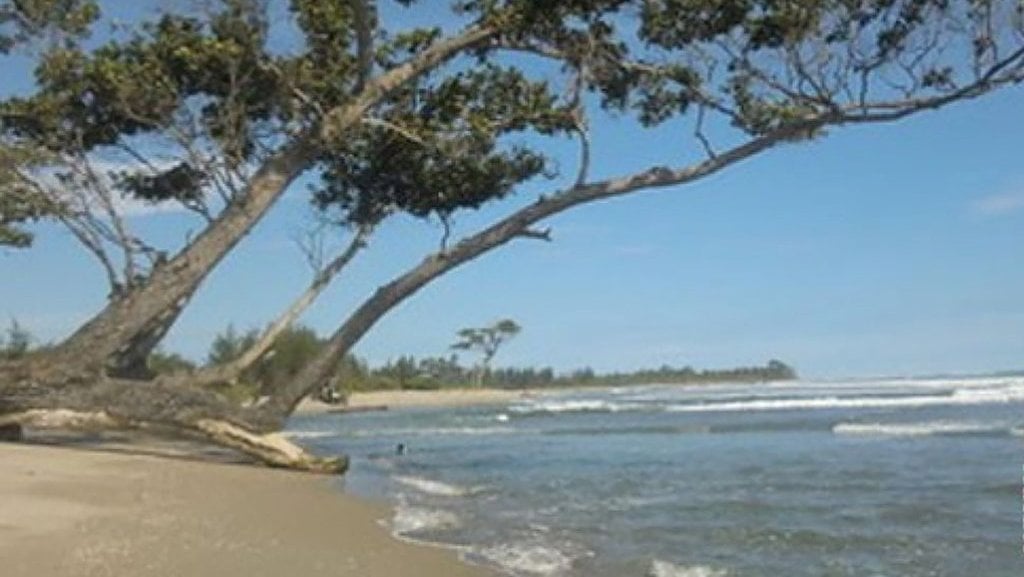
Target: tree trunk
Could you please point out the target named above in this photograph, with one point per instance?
(132, 324)
(230, 372)
(284, 401)
(132, 362)
(127, 320)
(119, 405)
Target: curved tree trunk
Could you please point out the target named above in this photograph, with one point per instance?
(132, 361)
(130, 319)
(284, 401)
(230, 372)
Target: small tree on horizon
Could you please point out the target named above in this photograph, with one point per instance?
(487, 340)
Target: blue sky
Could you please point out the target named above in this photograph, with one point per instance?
(879, 250)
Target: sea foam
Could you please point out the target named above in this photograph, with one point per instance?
(661, 568)
(434, 431)
(963, 396)
(308, 434)
(921, 429)
(415, 519)
(432, 487)
(519, 558)
(574, 406)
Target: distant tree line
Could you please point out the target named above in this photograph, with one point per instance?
(299, 344)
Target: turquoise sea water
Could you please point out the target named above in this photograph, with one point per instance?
(851, 479)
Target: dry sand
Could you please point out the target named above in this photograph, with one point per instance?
(72, 512)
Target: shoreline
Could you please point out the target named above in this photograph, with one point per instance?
(79, 512)
(407, 399)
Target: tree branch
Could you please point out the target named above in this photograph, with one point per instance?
(365, 14)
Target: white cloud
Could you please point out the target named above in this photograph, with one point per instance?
(999, 204)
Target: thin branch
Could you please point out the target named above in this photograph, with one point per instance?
(263, 345)
(446, 227)
(400, 130)
(698, 132)
(364, 11)
(535, 234)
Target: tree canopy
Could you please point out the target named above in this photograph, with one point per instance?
(211, 111)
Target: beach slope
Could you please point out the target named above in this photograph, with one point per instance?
(67, 512)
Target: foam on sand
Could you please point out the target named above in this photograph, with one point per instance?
(661, 568)
(416, 519)
(528, 559)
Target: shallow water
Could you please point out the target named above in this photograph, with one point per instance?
(855, 479)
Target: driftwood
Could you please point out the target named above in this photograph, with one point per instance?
(271, 449)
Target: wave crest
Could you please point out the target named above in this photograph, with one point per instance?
(922, 429)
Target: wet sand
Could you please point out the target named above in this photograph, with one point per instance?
(74, 512)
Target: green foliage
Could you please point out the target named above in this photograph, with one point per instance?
(441, 142)
(433, 373)
(487, 339)
(161, 362)
(437, 148)
(22, 21)
(19, 201)
(229, 345)
(16, 342)
(294, 348)
(299, 345)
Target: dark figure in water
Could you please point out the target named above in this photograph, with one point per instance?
(400, 449)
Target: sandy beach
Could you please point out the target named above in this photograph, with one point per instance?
(72, 512)
(411, 399)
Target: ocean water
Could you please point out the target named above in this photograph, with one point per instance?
(905, 478)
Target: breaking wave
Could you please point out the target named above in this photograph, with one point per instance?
(433, 431)
(574, 406)
(964, 396)
(922, 429)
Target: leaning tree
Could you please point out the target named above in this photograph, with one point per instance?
(203, 111)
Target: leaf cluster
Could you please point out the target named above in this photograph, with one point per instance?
(437, 147)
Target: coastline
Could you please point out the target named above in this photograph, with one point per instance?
(66, 511)
(405, 399)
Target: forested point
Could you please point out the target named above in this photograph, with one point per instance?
(297, 345)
